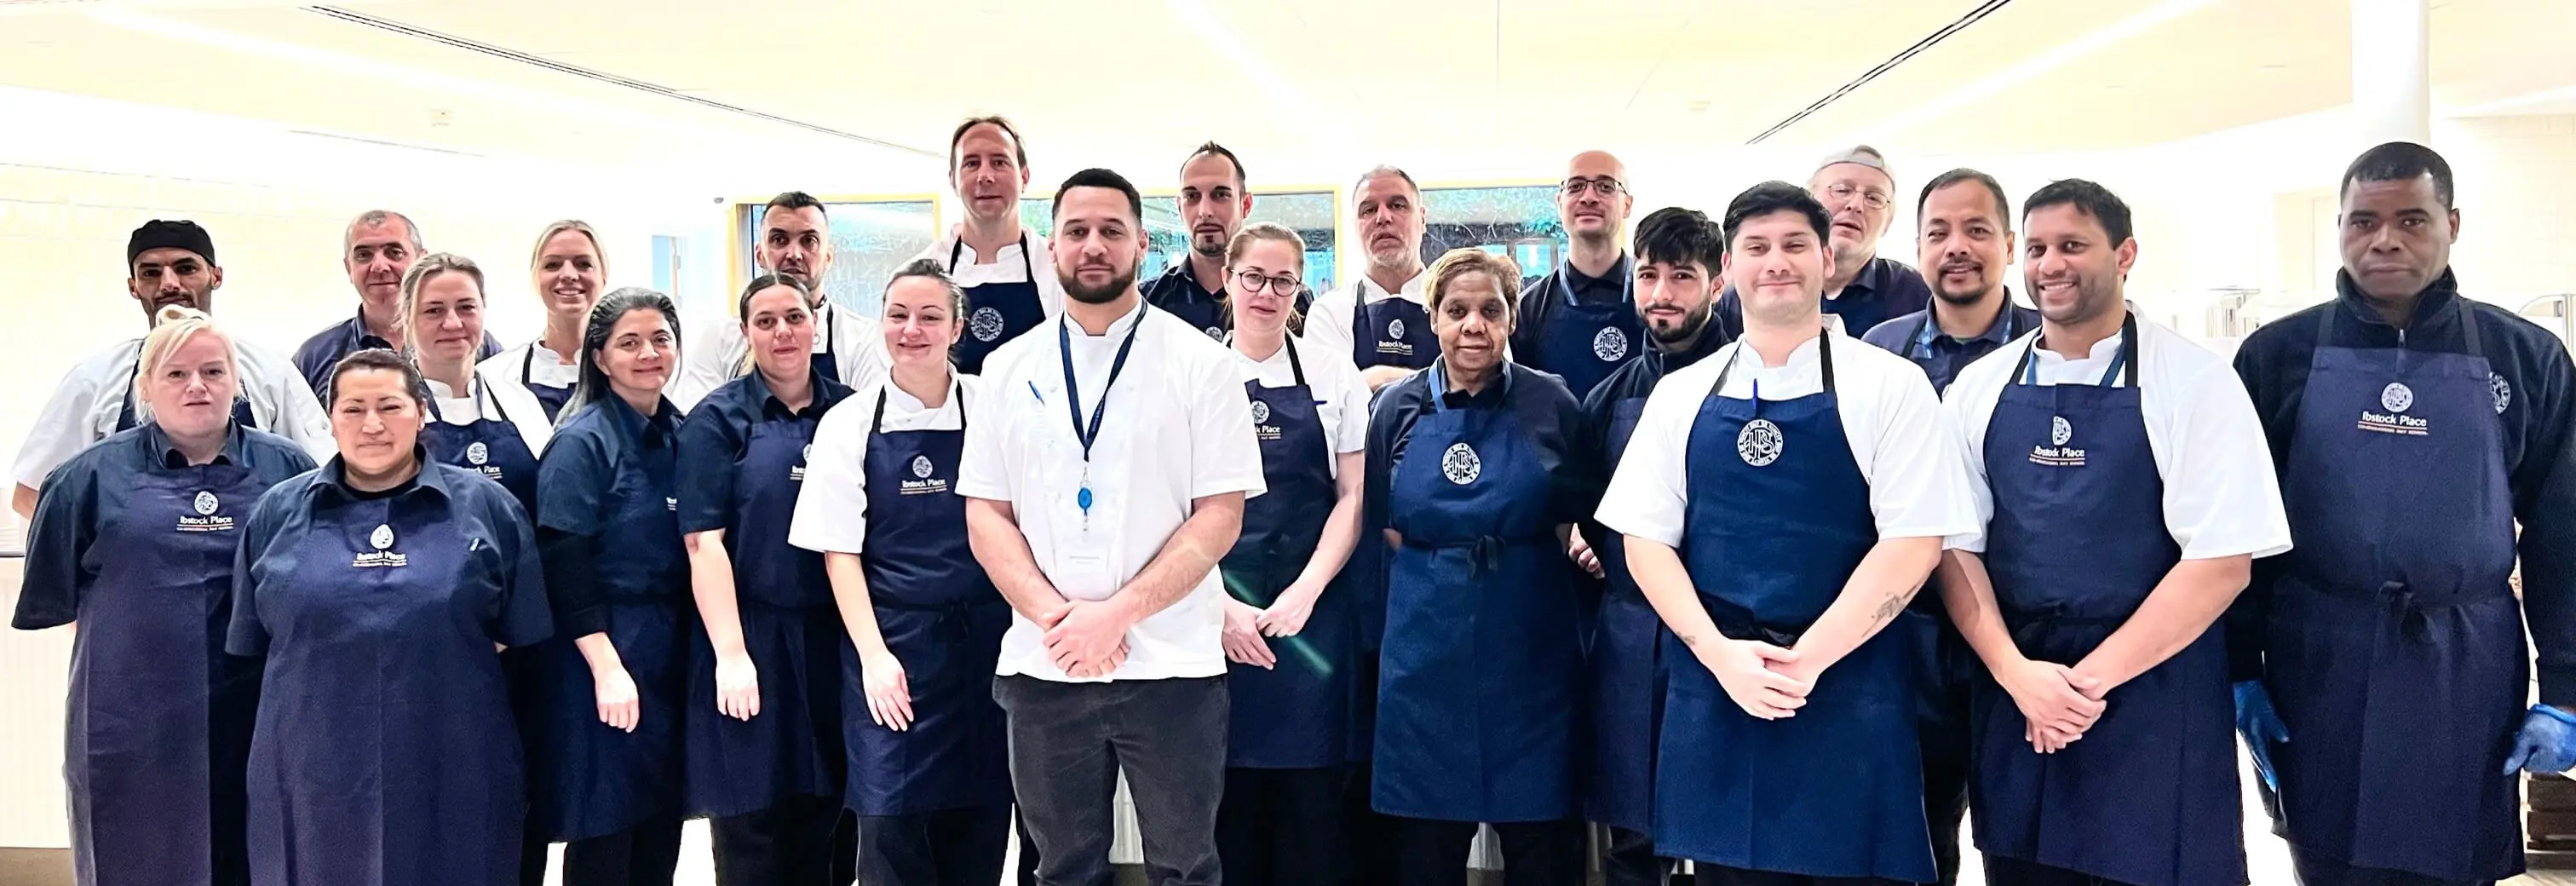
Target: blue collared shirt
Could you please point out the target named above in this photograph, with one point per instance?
(1916, 337)
(574, 480)
(323, 351)
(713, 438)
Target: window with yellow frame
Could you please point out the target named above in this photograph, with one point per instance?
(872, 237)
(1313, 214)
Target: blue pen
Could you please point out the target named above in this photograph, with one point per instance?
(1033, 392)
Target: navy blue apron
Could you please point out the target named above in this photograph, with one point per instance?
(1583, 343)
(1296, 715)
(823, 362)
(1626, 667)
(589, 779)
(1777, 520)
(2395, 648)
(996, 312)
(549, 396)
(791, 631)
(2149, 797)
(1479, 670)
(125, 418)
(155, 742)
(943, 619)
(385, 753)
(491, 446)
(1390, 332)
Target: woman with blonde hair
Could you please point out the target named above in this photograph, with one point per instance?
(133, 539)
(570, 270)
(477, 424)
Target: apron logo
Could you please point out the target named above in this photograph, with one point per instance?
(2396, 397)
(921, 468)
(671, 504)
(382, 556)
(1610, 344)
(1760, 442)
(1216, 333)
(1460, 464)
(476, 453)
(985, 323)
(206, 505)
(1395, 328)
(796, 472)
(1260, 412)
(2503, 392)
(2057, 454)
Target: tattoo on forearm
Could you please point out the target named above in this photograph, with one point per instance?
(1690, 639)
(1888, 608)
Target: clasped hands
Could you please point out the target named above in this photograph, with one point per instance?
(1087, 638)
(1771, 682)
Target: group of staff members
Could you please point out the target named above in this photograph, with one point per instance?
(1645, 541)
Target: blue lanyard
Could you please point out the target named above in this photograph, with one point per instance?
(1073, 393)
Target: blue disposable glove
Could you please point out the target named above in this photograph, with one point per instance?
(2547, 743)
(2261, 726)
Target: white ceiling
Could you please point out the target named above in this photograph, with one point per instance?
(1306, 90)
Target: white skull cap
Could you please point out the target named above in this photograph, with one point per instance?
(1861, 154)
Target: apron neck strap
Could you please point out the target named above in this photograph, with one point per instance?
(2123, 367)
(1824, 359)
(956, 391)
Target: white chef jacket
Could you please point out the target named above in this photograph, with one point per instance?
(84, 407)
(714, 355)
(832, 507)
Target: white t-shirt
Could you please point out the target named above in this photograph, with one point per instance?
(513, 403)
(2221, 497)
(1328, 318)
(714, 355)
(85, 406)
(832, 508)
(1341, 398)
(529, 364)
(1178, 427)
(1892, 422)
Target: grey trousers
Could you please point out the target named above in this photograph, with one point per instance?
(1069, 741)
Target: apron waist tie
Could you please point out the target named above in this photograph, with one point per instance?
(1484, 552)
(2027, 624)
(955, 619)
(2410, 607)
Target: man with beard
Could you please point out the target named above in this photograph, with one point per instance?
(1380, 320)
(1103, 483)
(376, 250)
(167, 263)
(1964, 239)
(795, 240)
(1678, 256)
(1781, 499)
(2118, 475)
(2415, 430)
(1863, 288)
(1213, 204)
(1579, 321)
(990, 254)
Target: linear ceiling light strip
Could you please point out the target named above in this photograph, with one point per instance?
(1973, 16)
(603, 77)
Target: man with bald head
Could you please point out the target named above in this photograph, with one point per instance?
(1862, 288)
(1579, 321)
(376, 250)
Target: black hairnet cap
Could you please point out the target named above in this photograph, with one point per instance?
(181, 234)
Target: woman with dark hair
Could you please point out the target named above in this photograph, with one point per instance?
(478, 422)
(601, 703)
(379, 591)
(929, 774)
(764, 755)
(133, 539)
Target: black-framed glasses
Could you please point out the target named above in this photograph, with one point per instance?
(1605, 186)
(1252, 281)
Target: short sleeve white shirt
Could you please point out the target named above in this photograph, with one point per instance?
(1341, 398)
(1178, 427)
(832, 507)
(2221, 497)
(510, 403)
(1891, 420)
(85, 406)
(529, 364)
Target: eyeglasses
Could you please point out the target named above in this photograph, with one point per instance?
(1607, 187)
(1251, 282)
(1870, 197)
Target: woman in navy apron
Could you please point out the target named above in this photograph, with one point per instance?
(1288, 628)
(929, 772)
(1479, 672)
(2149, 796)
(998, 312)
(442, 316)
(133, 539)
(569, 271)
(764, 756)
(602, 702)
(379, 590)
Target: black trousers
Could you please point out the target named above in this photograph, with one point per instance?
(2314, 870)
(2001, 871)
(1282, 827)
(1028, 872)
(789, 844)
(1630, 860)
(1069, 743)
(1712, 875)
(645, 855)
(1535, 853)
(1371, 835)
(950, 847)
